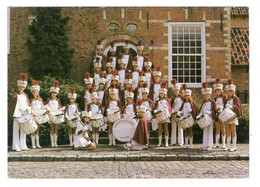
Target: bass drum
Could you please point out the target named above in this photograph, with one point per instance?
(27, 124)
(124, 129)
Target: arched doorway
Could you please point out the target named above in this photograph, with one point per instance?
(120, 49)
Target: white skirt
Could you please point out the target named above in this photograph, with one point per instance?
(235, 121)
(80, 142)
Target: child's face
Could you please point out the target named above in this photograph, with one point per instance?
(113, 82)
(141, 83)
(113, 53)
(109, 69)
(129, 99)
(187, 97)
(122, 66)
(127, 85)
(53, 94)
(97, 69)
(230, 93)
(176, 92)
(144, 95)
(99, 51)
(135, 67)
(162, 95)
(207, 96)
(86, 119)
(140, 52)
(94, 100)
(156, 78)
(147, 68)
(72, 100)
(89, 86)
(218, 92)
(21, 89)
(126, 51)
(35, 93)
(101, 86)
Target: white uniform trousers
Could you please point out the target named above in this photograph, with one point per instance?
(176, 125)
(208, 136)
(19, 142)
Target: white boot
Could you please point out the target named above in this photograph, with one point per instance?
(33, 141)
(110, 139)
(94, 137)
(234, 143)
(114, 139)
(228, 143)
(217, 141)
(38, 141)
(186, 142)
(97, 136)
(166, 141)
(73, 139)
(223, 141)
(70, 137)
(55, 140)
(191, 142)
(160, 141)
(52, 140)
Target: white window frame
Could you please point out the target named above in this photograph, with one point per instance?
(113, 27)
(131, 27)
(203, 51)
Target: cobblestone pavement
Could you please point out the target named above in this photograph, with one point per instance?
(124, 169)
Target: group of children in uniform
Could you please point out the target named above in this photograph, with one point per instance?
(128, 87)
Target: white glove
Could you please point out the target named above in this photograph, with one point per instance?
(198, 117)
(220, 109)
(179, 113)
(63, 108)
(208, 112)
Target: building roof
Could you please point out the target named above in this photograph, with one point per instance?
(239, 11)
(240, 45)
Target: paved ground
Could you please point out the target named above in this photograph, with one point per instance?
(124, 169)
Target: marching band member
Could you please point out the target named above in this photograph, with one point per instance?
(128, 84)
(115, 105)
(101, 88)
(19, 104)
(148, 71)
(122, 71)
(115, 81)
(95, 108)
(176, 103)
(37, 108)
(148, 103)
(109, 72)
(140, 57)
(139, 88)
(72, 111)
(128, 58)
(99, 53)
(97, 71)
(221, 100)
(129, 107)
(233, 103)
(161, 103)
(154, 88)
(188, 107)
(135, 72)
(85, 94)
(208, 107)
(140, 139)
(54, 105)
(82, 139)
(113, 55)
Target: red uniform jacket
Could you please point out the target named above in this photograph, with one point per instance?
(237, 106)
(12, 104)
(106, 95)
(213, 108)
(194, 112)
(82, 99)
(141, 133)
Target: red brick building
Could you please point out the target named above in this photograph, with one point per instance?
(193, 44)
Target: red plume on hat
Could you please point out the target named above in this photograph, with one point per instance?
(141, 73)
(73, 90)
(159, 68)
(113, 85)
(184, 86)
(101, 75)
(115, 72)
(56, 84)
(24, 76)
(218, 80)
(174, 81)
(35, 82)
(145, 85)
(128, 76)
(130, 89)
(164, 84)
(146, 59)
(99, 42)
(139, 102)
(112, 44)
(87, 75)
(204, 85)
(121, 56)
(230, 81)
(136, 59)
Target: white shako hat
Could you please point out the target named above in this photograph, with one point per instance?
(136, 62)
(205, 90)
(121, 59)
(112, 89)
(175, 85)
(186, 91)
(102, 79)
(230, 85)
(141, 76)
(126, 46)
(129, 93)
(140, 107)
(140, 47)
(99, 46)
(218, 85)
(115, 76)
(88, 79)
(145, 89)
(93, 94)
(113, 48)
(72, 94)
(147, 61)
(128, 78)
(55, 88)
(35, 86)
(86, 114)
(158, 71)
(109, 64)
(23, 80)
(163, 88)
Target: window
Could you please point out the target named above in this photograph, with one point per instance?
(187, 53)
(131, 27)
(113, 27)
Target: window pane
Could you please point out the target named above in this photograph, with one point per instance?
(192, 65)
(186, 58)
(187, 79)
(198, 43)
(186, 36)
(180, 50)
(192, 36)
(186, 29)
(174, 36)
(192, 30)
(198, 79)
(180, 65)
(186, 50)
(198, 29)
(192, 72)
(192, 79)
(192, 50)
(198, 50)
(174, 58)
(192, 58)
(198, 36)
(198, 65)
(174, 65)
(180, 29)
(180, 58)
(180, 79)
(198, 72)
(174, 43)
(174, 50)
(180, 72)
(186, 72)
(192, 43)
(174, 29)
(187, 43)
(180, 36)
(180, 43)
(198, 58)
(174, 72)
(186, 65)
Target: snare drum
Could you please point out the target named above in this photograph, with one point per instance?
(112, 116)
(27, 124)
(148, 115)
(124, 129)
(72, 122)
(227, 115)
(97, 120)
(41, 119)
(163, 115)
(205, 121)
(57, 118)
(187, 122)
